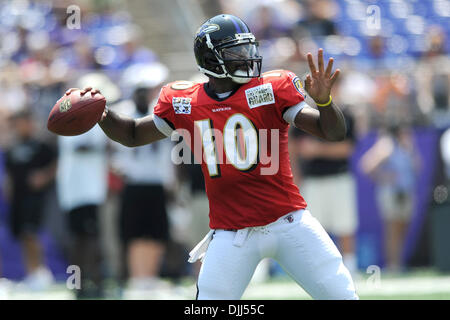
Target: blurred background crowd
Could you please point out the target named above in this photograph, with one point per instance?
(128, 217)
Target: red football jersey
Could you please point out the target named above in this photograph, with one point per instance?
(242, 143)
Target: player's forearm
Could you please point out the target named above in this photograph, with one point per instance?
(119, 128)
(130, 132)
(332, 123)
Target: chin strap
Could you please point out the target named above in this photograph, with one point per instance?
(240, 80)
(215, 75)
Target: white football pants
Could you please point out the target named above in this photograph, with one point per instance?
(296, 241)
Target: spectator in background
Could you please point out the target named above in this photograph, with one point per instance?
(358, 89)
(21, 51)
(31, 168)
(318, 19)
(267, 23)
(377, 47)
(325, 170)
(146, 171)
(392, 163)
(80, 56)
(44, 80)
(12, 99)
(432, 78)
(82, 186)
(444, 148)
(12, 91)
(435, 42)
(2, 203)
(198, 205)
(393, 100)
(377, 59)
(131, 51)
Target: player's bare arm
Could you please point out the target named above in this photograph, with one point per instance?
(130, 132)
(328, 121)
(125, 130)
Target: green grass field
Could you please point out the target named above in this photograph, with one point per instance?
(411, 286)
(418, 285)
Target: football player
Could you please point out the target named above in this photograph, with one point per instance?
(255, 212)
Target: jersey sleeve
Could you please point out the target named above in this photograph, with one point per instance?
(164, 111)
(289, 93)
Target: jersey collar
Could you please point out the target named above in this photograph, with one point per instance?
(214, 96)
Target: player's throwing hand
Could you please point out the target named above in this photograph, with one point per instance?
(93, 92)
(318, 84)
(83, 91)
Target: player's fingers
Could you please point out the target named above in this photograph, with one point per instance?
(94, 91)
(312, 67)
(320, 60)
(82, 92)
(335, 76)
(308, 82)
(69, 91)
(329, 67)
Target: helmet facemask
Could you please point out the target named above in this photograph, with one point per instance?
(237, 59)
(242, 61)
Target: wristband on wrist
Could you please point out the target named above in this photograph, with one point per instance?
(324, 104)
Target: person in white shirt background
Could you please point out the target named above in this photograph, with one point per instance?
(147, 171)
(82, 185)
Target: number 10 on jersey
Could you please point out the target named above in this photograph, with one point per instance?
(241, 143)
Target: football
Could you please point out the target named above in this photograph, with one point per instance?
(74, 114)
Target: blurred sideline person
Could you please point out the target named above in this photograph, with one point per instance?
(393, 165)
(82, 187)
(197, 205)
(444, 147)
(31, 168)
(146, 172)
(325, 172)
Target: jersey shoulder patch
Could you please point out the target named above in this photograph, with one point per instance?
(179, 96)
(181, 85)
(181, 89)
(299, 86)
(285, 79)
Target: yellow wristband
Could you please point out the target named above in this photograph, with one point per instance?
(324, 104)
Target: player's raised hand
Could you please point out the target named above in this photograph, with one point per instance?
(318, 84)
